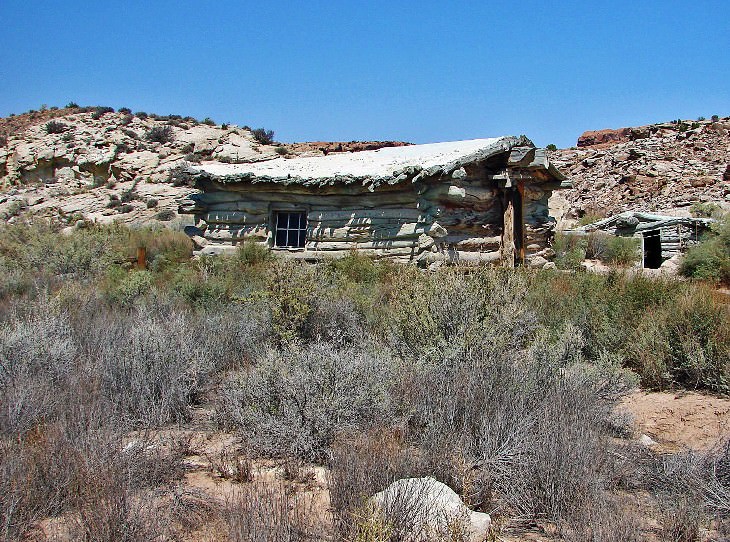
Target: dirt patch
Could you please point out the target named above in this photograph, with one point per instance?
(678, 421)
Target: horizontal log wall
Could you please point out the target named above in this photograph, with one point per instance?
(454, 219)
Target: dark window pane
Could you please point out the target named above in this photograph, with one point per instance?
(280, 238)
(302, 238)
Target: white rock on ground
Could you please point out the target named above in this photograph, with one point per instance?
(433, 509)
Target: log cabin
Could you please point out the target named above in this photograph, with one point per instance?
(460, 202)
(662, 237)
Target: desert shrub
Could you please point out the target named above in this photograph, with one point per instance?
(165, 215)
(141, 115)
(263, 136)
(128, 195)
(597, 245)
(152, 203)
(160, 134)
(281, 151)
(441, 315)
(14, 208)
(715, 118)
(72, 105)
(291, 289)
(61, 442)
(114, 201)
(127, 119)
(551, 147)
(622, 251)
(208, 121)
(253, 253)
(125, 110)
(269, 513)
(570, 250)
(3, 141)
(100, 111)
(706, 210)
(224, 126)
(125, 208)
(362, 465)
(55, 127)
(294, 402)
(710, 259)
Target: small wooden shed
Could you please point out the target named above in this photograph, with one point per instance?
(662, 236)
(483, 200)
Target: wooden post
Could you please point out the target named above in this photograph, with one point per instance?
(508, 232)
(141, 258)
(520, 216)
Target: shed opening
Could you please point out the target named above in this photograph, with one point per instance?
(652, 249)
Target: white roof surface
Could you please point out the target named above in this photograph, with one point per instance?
(379, 163)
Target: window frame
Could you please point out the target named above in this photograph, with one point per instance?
(299, 232)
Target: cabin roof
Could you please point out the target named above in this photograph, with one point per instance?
(639, 221)
(386, 165)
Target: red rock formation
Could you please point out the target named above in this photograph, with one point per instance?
(600, 137)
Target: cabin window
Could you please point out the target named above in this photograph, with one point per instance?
(291, 229)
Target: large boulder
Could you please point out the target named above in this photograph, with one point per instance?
(424, 509)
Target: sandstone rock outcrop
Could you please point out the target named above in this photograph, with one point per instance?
(663, 168)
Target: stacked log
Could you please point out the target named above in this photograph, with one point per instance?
(455, 219)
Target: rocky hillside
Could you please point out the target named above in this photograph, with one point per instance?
(99, 164)
(669, 168)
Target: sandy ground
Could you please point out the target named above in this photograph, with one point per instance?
(679, 421)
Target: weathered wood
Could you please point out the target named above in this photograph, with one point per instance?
(375, 232)
(358, 222)
(508, 235)
(402, 213)
(463, 195)
(303, 190)
(233, 217)
(365, 245)
(365, 200)
(465, 242)
(235, 233)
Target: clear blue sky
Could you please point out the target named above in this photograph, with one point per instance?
(419, 71)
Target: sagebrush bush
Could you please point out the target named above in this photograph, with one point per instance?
(570, 250)
(295, 402)
(499, 383)
(710, 259)
(263, 136)
(55, 127)
(100, 111)
(160, 134)
(622, 251)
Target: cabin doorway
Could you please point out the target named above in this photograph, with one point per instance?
(652, 249)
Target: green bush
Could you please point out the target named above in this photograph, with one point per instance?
(263, 136)
(570, 250)
(160, 134)
(253, 253)
(710, 259)
(99, 111)
(622, 251)
(55, 127)
(706, 210)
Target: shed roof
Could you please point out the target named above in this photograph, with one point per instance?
(385, 165)
(639, 221)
